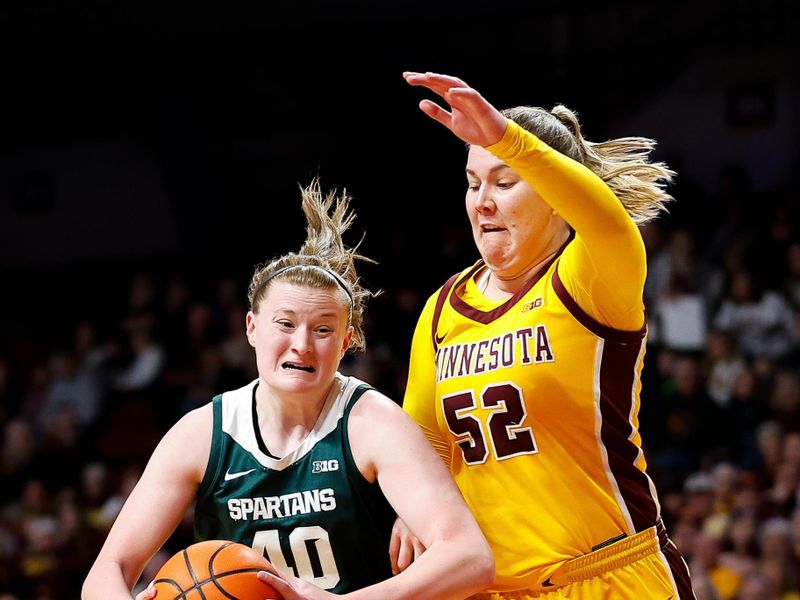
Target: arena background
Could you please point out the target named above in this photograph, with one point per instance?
(151, 155)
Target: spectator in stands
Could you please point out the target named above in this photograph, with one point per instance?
(761, 320)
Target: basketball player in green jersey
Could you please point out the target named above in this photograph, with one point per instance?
(305, 464)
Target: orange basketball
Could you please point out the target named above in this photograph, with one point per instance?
(214, 570)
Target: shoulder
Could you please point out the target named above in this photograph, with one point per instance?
(191, 436)
(386, 442)
(182, 454)
(374, 405)
(195, 420)
(377, 421)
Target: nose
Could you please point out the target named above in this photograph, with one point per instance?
(301, 340)
(483, 201)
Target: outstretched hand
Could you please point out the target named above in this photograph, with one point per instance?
(470, 117)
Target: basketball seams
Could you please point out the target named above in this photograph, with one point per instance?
(214, 579)
(177, 585)
(189, 567)
(199, 580)
(197, 585)
(200, 583)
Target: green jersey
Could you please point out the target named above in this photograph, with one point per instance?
(311, 512)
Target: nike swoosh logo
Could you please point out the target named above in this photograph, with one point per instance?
(229, 475)
(438, 339)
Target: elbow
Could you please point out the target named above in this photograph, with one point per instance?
(89, 589)
(483, 568)
(86, 592)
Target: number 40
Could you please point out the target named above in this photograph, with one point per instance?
(268, 541)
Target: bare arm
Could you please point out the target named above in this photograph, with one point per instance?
(153, 510)
(389, 446)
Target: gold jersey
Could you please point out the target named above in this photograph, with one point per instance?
(533, 401)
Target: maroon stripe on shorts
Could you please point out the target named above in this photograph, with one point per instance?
(680, 572)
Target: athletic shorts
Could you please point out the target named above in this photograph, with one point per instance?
(644, 566)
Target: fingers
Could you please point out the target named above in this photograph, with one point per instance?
(274, 571)
(440, 84)
(405, 557)
(436, 112)
(404, 547)
(148, 593)
(401, 550)
(435, 81)
(470, 116)
(394, 549)
(418, 548)
(284, 589)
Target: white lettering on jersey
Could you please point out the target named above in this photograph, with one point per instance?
(324, 466)
(286, 505)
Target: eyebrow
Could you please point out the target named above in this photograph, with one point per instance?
(293, 313)
(492, 170)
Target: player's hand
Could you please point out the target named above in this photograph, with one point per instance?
(404, 547)
(293, 588)
(470, 117)
(147, 593)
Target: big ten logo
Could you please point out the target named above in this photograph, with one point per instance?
(537, 303)
(324, 466)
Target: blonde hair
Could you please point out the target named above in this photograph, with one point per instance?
(621, 163)
(323, 262)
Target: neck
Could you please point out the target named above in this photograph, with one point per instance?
(285, 420)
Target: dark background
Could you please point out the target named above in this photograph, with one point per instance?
(145, 145)
(178, 135)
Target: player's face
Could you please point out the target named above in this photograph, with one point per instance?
(300, 335)
(513, 227)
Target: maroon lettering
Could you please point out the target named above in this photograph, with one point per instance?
(480, 365)
(509, 437)
(543, 351)
(467, 351)
(466, 427)
(508, 433)
(523, 335)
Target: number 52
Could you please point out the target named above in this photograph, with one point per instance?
(508, 435)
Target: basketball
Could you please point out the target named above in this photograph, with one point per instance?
(214, 570)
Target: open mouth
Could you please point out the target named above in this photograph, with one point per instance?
(297, 367)
(491, 228)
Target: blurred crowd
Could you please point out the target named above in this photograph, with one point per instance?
(81, 410)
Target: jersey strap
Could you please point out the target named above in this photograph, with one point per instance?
(437, 312)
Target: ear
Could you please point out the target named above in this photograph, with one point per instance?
(250, 327)
(346, 342)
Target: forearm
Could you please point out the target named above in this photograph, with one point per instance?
(604, 269)
(446, 570)
(106, 581)
(577, 194)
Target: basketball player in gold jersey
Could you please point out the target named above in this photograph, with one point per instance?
(525, 367)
